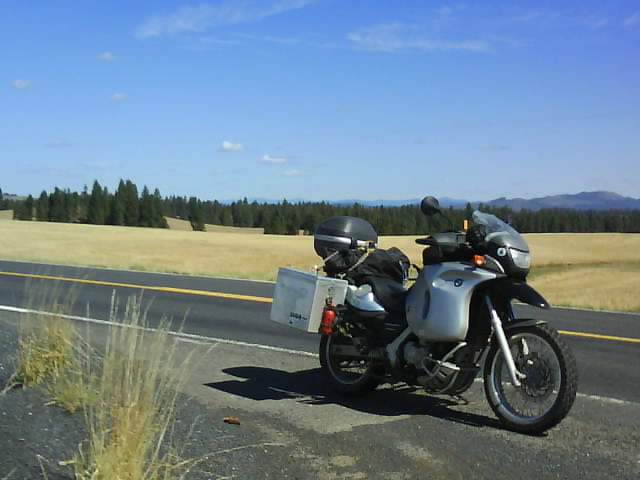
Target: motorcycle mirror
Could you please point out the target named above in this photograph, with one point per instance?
(430, 206)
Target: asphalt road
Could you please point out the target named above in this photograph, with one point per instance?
(394, 433)
(238, 310)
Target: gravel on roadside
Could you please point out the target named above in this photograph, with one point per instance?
(37, 441)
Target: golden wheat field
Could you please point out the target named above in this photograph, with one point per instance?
(600, 271)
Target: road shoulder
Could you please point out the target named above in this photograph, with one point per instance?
(292, 427)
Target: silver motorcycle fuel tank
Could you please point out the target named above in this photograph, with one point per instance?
(437, 306)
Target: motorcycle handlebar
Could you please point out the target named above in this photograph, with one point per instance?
(366, 244)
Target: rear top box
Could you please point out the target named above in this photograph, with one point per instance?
(342, 233)
(299, 298)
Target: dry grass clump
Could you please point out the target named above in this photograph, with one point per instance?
(75, 386)
(52, 353)
(137, 391)
(42, 352)
(128, 392)
(45, 350)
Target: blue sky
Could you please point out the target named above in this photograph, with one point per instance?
(322, 99)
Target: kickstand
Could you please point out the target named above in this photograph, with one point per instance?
(460, 400)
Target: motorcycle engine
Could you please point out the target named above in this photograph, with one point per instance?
(415, 354)
(433, 377)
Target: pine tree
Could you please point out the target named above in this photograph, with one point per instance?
(96, 210)
(116, 210)
(42, 207)
(227, 217)
(195, 215)
(146, 213)
(29, 204)
(57, 212)
(131, 204)
(24, 210)
(83, 205)
(71, 203)
(159, 220)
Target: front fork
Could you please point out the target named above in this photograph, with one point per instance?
(496, 322)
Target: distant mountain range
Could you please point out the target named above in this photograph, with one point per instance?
(579, 201)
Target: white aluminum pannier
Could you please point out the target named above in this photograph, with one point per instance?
(300, 297)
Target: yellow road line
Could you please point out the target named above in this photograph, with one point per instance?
(600, 337)
(250, 298)
(204, 293)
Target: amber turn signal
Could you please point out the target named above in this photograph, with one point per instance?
(479, 260)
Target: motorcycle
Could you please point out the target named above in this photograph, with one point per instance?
(454, 323)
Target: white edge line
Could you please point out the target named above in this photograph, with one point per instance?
(598, 398)
(182, 335)
(206, 340)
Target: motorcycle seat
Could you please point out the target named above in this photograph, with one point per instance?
(389, 293)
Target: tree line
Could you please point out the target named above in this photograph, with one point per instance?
(5, 202)
(127, 206)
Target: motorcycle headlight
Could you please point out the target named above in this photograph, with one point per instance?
(521, 259)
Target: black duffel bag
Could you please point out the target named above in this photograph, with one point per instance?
(341, 261)
(390, 263)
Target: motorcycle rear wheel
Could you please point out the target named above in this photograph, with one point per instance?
(346, 374)
(546, 393)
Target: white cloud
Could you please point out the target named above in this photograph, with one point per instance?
(392, 37)
(632, 20)
(292, 173)
(21, 84)
(228, 146)
(107, 56)
(272, 159)
(118, 97)
(205, 16)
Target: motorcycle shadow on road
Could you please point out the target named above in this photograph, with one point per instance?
(309, 387)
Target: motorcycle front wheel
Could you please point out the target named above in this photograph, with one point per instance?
(346, 373)
(549, 384)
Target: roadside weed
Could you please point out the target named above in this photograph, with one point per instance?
(137, 386)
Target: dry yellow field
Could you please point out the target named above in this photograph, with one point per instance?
(600, 271)
(162, 250)
(185, 226)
